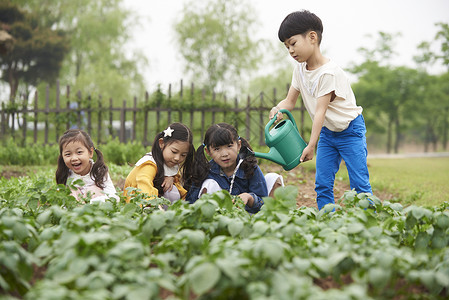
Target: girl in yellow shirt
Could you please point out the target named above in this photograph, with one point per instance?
(163, 171)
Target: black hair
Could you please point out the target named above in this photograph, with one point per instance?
(180, 133)
(99, 169)
(219, 135)
(300, 22)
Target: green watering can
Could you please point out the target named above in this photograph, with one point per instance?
(285, 143)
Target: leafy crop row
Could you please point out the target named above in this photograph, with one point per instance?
(53, 248)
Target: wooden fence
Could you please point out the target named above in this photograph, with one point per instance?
(136, 120)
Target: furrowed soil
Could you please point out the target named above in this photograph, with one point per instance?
(305, 181)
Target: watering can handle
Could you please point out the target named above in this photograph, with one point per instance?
(289, 114)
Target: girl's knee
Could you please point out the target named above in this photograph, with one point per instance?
(210, 186)
(274, 181)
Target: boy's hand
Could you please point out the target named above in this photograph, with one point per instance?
(307, 154)
(168, 183)
(274, 112)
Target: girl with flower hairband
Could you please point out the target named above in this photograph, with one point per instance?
(162, 172)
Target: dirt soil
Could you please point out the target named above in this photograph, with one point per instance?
(305, 181)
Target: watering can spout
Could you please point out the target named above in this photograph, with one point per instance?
(272, 155)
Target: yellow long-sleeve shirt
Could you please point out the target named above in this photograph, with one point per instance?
(142, 176)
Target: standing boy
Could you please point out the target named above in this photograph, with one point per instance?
(337, 120)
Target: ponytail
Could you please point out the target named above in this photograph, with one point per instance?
(156, 152)
(99, 170)
(249, 163)
(201, 166)
(62, 172)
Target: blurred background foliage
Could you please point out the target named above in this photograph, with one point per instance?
(81, 44)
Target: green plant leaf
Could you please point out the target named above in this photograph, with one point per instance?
(378, 277)
(203, 277)
(208, 209)
(235, 227)
(20, 231)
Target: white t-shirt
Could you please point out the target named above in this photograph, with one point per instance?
(316, 83)
(98, 194)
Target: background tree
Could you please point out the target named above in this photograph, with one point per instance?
(278, 70)
(436, 90)
(217, 40)
(443, 36)
(384, 90)
(38, 50)
(97, 29)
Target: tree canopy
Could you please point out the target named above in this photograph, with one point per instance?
(98, 62)
(217, 41)
(37, 51)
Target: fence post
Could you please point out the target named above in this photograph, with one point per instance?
(24, 117)
(203, 95)
(47, 95)
(158, 111)
(225, 104)
(99, 119)
(57, 112)
(180, 101)
(35, 116)
(133, 134)
(191, 105)
(168, 104)
(248, 118)
(89, 115)
(213, 107)
(261, 120)
(79, 109)
(3, 119)
(111, 128)
(69, 114)
(236, 109)
(145, 120)
(122, 122)
(13, 131)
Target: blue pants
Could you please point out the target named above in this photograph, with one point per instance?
(349, 145)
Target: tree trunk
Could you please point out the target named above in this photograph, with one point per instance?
(13, 81)
(398, 135)
(389, 135)
(445, 125)
(426, 138)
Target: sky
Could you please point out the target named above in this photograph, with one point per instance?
(346, 26)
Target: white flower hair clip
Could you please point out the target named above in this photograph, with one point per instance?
(168, 131)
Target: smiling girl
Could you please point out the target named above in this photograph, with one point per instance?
(75, 161)
(162, 172)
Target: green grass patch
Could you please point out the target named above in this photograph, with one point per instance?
(418, 181)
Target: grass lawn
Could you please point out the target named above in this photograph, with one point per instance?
(418, 181)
